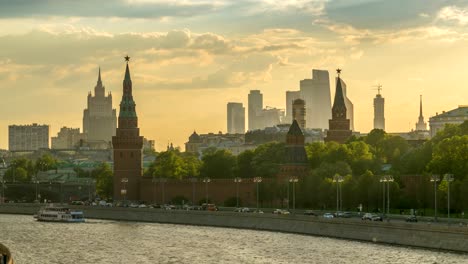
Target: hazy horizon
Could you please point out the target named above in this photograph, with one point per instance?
(190, 58)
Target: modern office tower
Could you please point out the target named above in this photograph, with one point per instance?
(269, 117)
(421, 125)
(99, 119)
(455, 116)
(127, 145)
(349, 106)
(67, 138)
(316, 93)
(299, 113)
(28, 137)
(379, 110)
(290, 97)
(235, 118)
(339, 130)
(255, 107)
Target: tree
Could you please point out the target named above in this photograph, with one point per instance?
(17, 174)
(245, 168)
(104, 180)
(168, 164)
(218, 164)
(268, 158)
(191, 165)
(451, 156)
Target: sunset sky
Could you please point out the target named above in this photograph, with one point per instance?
(189, 58)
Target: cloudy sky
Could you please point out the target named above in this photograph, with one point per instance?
(189, 58)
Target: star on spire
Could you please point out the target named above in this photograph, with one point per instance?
(127, 58)
(338, 71)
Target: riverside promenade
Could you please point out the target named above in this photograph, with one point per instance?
(425, 235)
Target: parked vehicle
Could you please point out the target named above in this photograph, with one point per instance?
(257, 211)
(310, 212)
(142, 206)
(344, 214)
(281, 211)
(411, 218)
(242, 210)
(367, 216)
(328, 215)
(377, 218)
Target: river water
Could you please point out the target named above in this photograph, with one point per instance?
(99, 241)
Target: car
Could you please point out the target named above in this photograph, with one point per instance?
(242, 210)
(281, 212)
(411, 218)
(328, 215)
(367, 216)
(211, 207)
(310, 212)
(142, 206)
(133, 205)
(257, 211)
(344, 214)
(377, 218)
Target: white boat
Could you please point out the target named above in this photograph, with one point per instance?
(52, 213)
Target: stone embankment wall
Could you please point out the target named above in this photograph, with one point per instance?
(432, 236)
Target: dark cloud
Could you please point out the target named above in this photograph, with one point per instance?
(94, 8)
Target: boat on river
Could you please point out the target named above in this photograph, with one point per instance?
(52, 213)
(5, 255)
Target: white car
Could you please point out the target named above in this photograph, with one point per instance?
(328, 215)
(281, 212)
(142, 206)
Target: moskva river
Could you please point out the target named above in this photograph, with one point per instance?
(99, 241)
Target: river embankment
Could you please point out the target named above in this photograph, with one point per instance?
(425, 235)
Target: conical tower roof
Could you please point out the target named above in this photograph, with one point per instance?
(295, 130)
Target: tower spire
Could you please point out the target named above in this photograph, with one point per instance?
(99, 75)
(420, 106)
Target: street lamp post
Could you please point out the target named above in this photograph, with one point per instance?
(163, 183)
(448, 178)
(389, 180)
(293, 180)
(338, 179)
(37, 195)
(383, 180)
(3, 191)
(237, 180)
(257, 180)
(435, 178)
(123, 191)
(206, 181)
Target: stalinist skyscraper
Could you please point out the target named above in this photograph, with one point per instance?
(99, 119)
(421, 125)
(128, 144)
(379, 110)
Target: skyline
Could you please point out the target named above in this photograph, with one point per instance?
(194, 51)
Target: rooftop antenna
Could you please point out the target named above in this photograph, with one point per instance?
(379, 88)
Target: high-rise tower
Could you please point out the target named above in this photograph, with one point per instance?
(299, 113)
(316, 93)
(339, 130)
(255, 109)
(379, 110)
(235, 118)
(421, 125)
(99, 119)
(290, 97)
(128, 145)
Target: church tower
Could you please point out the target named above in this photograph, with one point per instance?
(296, 163)
(127, 144)
(339, 126)
(421, 125)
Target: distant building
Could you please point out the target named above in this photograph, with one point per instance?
(299, 113)
(379, 111)
(99, 118)
(421, 125)
(290, 97)
(234, 143)
(148, 145)
(339, 130)
(28, 137)
(67, 138)
(456, 116)
(278, 134)
(235, 118)
(349, 106)
(254, 108)
(269, 117)
(316, 93)
(296, 163)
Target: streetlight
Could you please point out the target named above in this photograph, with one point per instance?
(193, 180)
(206, 181)
(123, 191)
(435, 178)
(37, 195)
(387, 179)
(293, 180)
(237, 180)
(448, 178)
(257, 180)
(338, 179)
